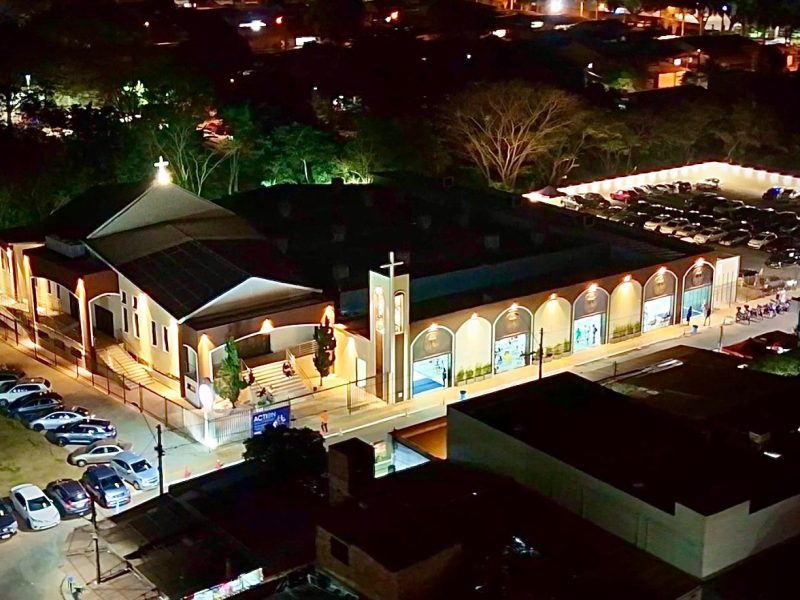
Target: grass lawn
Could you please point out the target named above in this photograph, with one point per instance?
(26, 457)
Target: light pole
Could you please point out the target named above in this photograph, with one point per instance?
(205, 391)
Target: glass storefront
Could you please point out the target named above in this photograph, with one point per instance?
(657, 313)
(698, 299)
(510, 352)
(431, 373)
(587, 332)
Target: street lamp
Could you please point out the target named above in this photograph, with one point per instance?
(205, 391)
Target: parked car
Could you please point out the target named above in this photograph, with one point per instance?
(771, 283)
(34, 507)
(11, 391)
(710, 184)
(37, 404)
(709, 235)
(790, 227)
(82, 432)
(96, 453)
(10, 374)
(780, 194)
(8, 524)
(779, 244)
(664, 188)
(656, 222)
(634, 219)
(761, 239)
(136, 470)
(670, 226)
(596, 199)
(682, 187)
(570, 203)
(735, 237)
(772, 193)
(54, 419)
(105, 486)
(610, 211)
(688, 230)
(727, 208)
(69, 497)
(783, 258)
(82, 411)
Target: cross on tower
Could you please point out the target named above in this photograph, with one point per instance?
(391, 265)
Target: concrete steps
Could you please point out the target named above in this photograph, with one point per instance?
(283, 387)
(120, 361)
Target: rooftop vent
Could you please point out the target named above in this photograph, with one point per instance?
(341, 271)
(282, 244)
(491, 242)
(339, 232)
(284, 209)
(68, 248)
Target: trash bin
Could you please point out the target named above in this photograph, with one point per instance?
(462, 394)
(694, 328)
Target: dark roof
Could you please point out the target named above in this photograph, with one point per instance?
(88, 211)
(410, 515)
(186, 263)
(62, 269)
(646, 452)
(766, 343)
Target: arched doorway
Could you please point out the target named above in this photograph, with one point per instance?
(554, 316)
(659, 300)
(589, 318)
(625, 310)
(512, 339)
(432, 360)
(698, 283)
(473, 348)
(266, 346)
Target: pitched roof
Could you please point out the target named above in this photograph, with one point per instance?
(187, 263)
(83, 214)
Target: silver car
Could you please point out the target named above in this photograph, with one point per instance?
(96, 453)
(136, 470)
(54, 419)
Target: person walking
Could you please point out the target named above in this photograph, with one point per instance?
(323, 421)
(689, 315)
(444, 376)
(707, 320)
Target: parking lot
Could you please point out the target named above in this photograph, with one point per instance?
(32, 563)
(732, 214)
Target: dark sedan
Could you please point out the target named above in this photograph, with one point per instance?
(83, 432)
(783, 258)
(105, 486)
(8, 524)
(736, 237)
(69, 497)
(37, 404)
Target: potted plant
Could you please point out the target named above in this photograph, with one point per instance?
(487, 369)
(567, 346)
(470, 374)
(460, 377)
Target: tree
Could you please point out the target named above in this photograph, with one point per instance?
(244, 145)
(786, 364)
(298, 153)
(325, 354)
(503, 128)
(228, 381)
(287, 453)
(336, 20)
(192, 159)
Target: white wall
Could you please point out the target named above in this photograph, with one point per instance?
(148, 310)
(249, 293)
(473, 344)
(677, 539)
(156, 205)
(56, 301)
(726, 274)
(349, 347)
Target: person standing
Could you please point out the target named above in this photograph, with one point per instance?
(707, 320)
(444, 376)
(323, 421)
(689, 315)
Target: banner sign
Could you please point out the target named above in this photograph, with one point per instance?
(272, 417)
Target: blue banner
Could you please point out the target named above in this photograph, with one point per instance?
(273, 417)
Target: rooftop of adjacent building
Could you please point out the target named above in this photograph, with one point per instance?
(411, 515)
(685, 440)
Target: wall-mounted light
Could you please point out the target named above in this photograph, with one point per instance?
(627, 279)
(553, 296)
(266, 326)
(662, 270)
(474, 317)
(593, 287)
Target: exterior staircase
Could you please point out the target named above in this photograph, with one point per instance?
(283, 387)
(123, 363)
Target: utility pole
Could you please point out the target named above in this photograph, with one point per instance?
(95, 538)
(541, 351)
(160, 454)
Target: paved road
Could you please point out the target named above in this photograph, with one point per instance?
(32, 564)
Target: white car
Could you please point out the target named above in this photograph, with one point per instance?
(656, 222)
(54, 419)
(11, 391)
(708, 235)
(671, 226)
(761, 240)
(34, 507)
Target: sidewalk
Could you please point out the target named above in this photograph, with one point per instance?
(434, 403)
